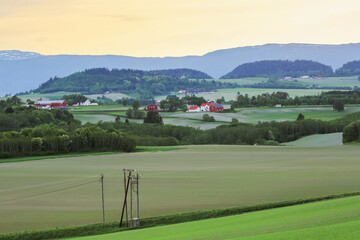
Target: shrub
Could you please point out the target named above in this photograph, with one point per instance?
(153, 117)
(207, 118)
(37, 144)
(234, 120)
(351, 132)
(64, 143)
(338, 105)
(129, 113)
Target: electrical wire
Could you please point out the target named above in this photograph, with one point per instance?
(51, 191)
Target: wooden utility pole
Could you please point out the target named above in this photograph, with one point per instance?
(126, 210)
(102, 196)
(131, 202)
(126, 191)
(137, 195)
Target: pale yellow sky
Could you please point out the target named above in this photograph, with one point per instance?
(171, 27)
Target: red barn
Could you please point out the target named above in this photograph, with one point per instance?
(151, 107)
(51, 104)
(216, 108)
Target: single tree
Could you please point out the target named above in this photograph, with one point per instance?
(129, 113)
(300, 117)
(153, 117)
(124, 102)
(338, 105)
(136, 105)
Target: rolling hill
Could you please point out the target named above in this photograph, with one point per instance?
(22, 72)
(282, 68)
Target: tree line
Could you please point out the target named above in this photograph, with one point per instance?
(48, 139)
(325, 98)
(145, 83)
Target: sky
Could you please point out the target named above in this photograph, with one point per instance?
(158, 28)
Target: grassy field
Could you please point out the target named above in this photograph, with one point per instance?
(333, 81)
(332, 219)
(94, 114)
(66, 191)
(231, 93)
(264, 114)
(45, 96)
(318, 140)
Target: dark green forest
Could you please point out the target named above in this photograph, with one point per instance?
(183, 72)
(280, 68)
(145, 83)
(349, 69)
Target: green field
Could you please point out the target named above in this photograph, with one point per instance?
(333, 81)
(331, 219)
(231, 93)
(318, 140)
(93, 114)
(45, 96)
(49, 193)
(265, 114)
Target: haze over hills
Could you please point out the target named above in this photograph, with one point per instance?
(21, 71)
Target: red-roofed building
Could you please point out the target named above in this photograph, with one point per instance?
(51, 104)
(151, 107)
(193, 109)
(216, 108)
(205, 107)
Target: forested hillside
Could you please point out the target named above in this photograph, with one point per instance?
(349, 69)
(281, 68)
(183, 72)
(145, 83)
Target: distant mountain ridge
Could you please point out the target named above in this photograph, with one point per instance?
(17, 55)
(21, 74)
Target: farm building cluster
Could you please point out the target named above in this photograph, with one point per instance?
(206, 107)
(85, 103)
(190, 92)
(61, 104)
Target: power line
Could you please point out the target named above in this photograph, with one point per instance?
(51, 191)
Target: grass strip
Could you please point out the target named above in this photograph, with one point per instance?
(97, 229)
(138, 149)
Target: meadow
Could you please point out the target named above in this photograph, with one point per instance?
(93, 114)
(333, 81)
(331, 219)
(66, 191)
(318, 140)
(231, 93)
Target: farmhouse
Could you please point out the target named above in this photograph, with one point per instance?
(193, 109)
(151, 107)
(216, 108)
(205, 107)
(61, 104)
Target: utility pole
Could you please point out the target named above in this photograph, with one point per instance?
(131, 183)
(137, 195)
(102, 196)
(125, 198)
(126, 210)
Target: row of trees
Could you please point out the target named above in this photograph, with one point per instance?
(14, 118)
(49, 139)
(236, 133)
(335, 98)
